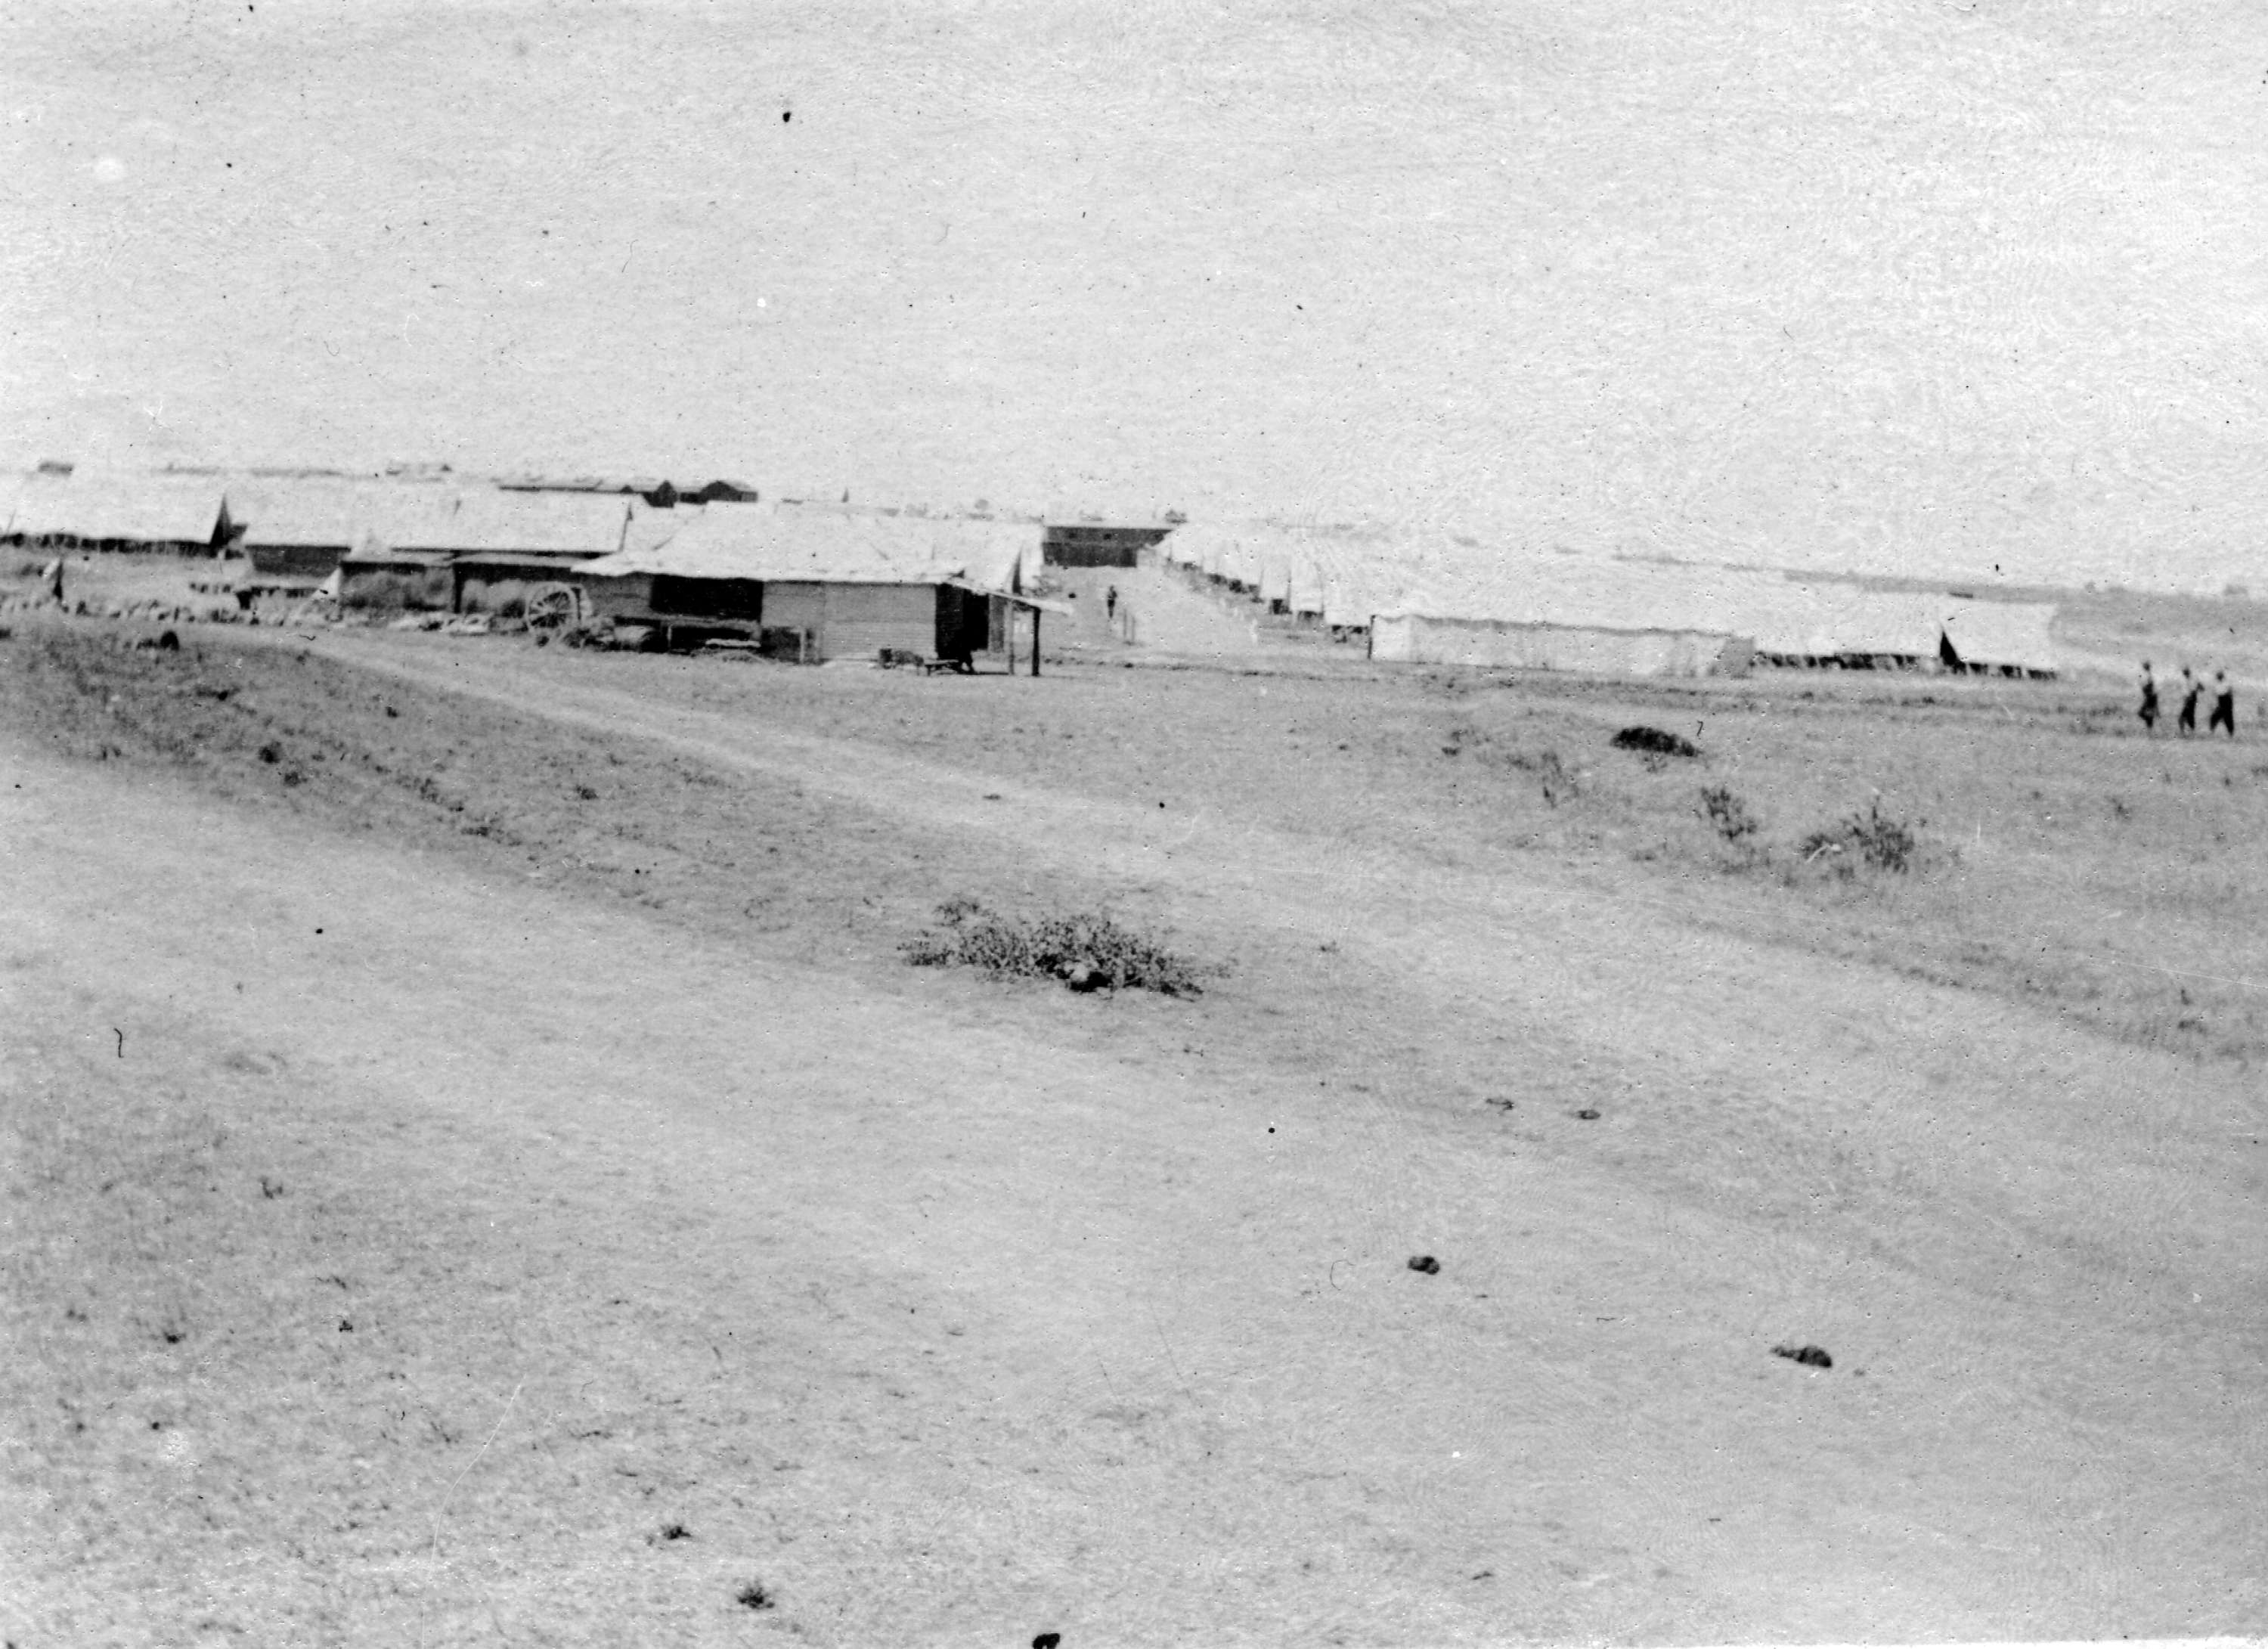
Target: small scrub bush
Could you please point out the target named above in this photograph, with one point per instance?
(1552, 774)
(753, 1595)
(1728, 815)
(1087, 951)
(1653, 741)
(1873, 839)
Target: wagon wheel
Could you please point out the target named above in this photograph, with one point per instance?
(553, 607)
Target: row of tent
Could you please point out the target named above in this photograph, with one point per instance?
(1441, 602)
(1420, 598)
(300, 528)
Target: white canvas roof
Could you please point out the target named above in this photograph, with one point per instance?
(489, 519)
(1998, 634)
(1590, 594)
(824, 547)
(1891, 623)
(327, 511)
(649, 526)
(126, 506)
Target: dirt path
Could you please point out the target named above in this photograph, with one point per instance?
(1106, 1345)
(1761, 1076)
(1158, 614)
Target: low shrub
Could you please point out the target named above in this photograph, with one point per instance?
(1655, 741)
(1728, 815)
(1085, 951)
(1873, 839)
(1552, 775)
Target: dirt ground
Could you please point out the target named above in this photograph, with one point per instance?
(478, 1168)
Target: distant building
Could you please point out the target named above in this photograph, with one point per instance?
(122, 510)
(296, 529)
(1088, 544)
(818, 584)
(1999, 639)
(479, 549)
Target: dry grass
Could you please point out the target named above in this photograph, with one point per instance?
(2073, 864)
(384, 1307)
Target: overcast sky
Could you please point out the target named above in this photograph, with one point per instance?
(1888, 285)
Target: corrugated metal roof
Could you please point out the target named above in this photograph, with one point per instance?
(825, 547)
(120, 506)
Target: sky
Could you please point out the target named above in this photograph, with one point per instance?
(1888, 287)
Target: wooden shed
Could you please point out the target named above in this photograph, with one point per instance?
(1098, 544)
(820, 584)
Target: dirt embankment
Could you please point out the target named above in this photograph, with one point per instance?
(573, 1039)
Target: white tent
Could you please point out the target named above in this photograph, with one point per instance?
(2002, 636)
(754, 542)
(122, 507)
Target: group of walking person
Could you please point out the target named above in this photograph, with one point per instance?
(2192, 690)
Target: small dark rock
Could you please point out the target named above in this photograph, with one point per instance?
(1587, 1114)
(1809, 1356)
(1047, 1640)
(1425, 1263)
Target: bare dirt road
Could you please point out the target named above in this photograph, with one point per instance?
(946, 1313)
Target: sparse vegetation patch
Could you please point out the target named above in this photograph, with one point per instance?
(1873, 839)
(1728, 815)
(1085, 951)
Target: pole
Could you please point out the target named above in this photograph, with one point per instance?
(1035, 643)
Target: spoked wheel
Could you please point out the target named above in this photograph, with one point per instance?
(553, 607)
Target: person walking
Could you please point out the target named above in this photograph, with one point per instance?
(2224, 705)
(2192, 689)
(1110, 603)
(2149, 710)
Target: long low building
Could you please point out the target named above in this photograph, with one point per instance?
(1999, 637)
(125, 510)
(823, 585)
(475, 549)
(1560, 613)
(1501, 644)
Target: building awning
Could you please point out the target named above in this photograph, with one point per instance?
(1037, 603)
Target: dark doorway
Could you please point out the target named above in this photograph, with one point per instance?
(738, 599)
(964, 622)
